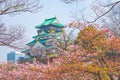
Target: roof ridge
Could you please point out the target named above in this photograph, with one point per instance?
(50, 18)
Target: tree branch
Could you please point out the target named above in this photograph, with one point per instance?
(112, 6)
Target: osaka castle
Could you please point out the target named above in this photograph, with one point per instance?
(44, 43)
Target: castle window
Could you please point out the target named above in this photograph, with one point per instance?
(39, 31)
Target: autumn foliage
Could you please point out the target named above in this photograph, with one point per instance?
(95, 56)
(102, 49)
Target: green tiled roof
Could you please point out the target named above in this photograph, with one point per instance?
(32, 42)
(41, 34)
(35, 36)
(25, 51)
(50, 21)
(43, 40)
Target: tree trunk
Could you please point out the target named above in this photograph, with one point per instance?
(99, 77)
(111, 77)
